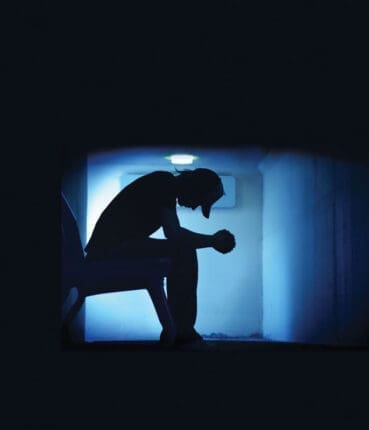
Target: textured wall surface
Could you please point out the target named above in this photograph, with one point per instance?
(315, 249)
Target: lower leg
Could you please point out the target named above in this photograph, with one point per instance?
(182, 291)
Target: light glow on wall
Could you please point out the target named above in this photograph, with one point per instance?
(103, 192)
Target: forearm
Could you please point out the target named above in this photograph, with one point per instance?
(195, 240)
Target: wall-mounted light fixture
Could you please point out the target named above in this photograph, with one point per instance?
(181, 158)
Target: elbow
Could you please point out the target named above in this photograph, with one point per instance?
(174, 235)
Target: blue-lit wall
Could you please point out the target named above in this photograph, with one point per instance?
(315, 249)
(230, 286)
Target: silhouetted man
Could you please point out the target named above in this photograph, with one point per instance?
(144, 206)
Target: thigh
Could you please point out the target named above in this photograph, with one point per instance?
(146, 247)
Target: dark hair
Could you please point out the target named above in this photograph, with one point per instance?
(179, 172)
(200, 180)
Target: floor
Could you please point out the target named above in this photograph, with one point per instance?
(205, 346)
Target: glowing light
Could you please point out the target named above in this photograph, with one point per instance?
(181, 158)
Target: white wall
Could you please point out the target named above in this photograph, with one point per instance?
(229, 289)
(315, 231)
(287, 232)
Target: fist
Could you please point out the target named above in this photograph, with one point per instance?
(224, 241)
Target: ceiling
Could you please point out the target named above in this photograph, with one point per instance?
(220, 159)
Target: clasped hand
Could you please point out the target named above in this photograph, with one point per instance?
(224, 241)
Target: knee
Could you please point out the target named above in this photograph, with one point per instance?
(180, 249)
(187, 256)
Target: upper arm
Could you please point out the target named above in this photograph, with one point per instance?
(170, 223)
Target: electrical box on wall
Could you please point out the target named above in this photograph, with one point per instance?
(228, 181)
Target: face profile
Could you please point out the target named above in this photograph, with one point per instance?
(210, 198)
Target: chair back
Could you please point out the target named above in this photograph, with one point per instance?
(72, 256)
